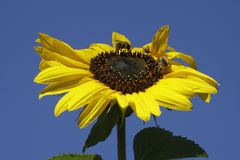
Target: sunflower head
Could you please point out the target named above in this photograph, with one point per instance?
(97, 77)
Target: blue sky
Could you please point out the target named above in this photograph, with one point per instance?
(207, 30)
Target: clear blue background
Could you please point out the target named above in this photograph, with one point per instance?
(207, 30)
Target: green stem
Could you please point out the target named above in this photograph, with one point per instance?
(121, 139)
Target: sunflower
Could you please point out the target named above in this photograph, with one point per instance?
(100, 76)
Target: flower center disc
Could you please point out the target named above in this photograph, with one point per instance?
(126, 71)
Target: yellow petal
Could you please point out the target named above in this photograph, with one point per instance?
(58, 88)
(147, 48)
(137, 50)
(79, 96)
(169, 99)
(176, 86)
(60, 73)
(43, 65)
(150, 103)
(208, 87)
(188, 59)
(195, 85)
(87, 54)
(160, 41)
(38, 40)
(122, 101)
(85, 93)
(52, 56)
(117, 37)
(92, 111)
(138, 106)
(60, 47)
(205, 96)
(94, 50)
(171, 49)
(54, 64)
(147, 45)
(182, 71)
(101, 47)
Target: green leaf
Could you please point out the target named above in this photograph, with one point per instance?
(103, 127)
(77, 157)
(158, 144)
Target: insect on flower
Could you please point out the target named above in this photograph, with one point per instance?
(163, 62)
(123, 45)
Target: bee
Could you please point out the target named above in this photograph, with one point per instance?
(147, 49)
(163, 62)
(123, 45)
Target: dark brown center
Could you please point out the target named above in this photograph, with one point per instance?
(126, 71)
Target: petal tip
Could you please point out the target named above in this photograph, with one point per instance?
(41, 34)
(114, 33)
(81, 124)
(57, 112)
(38, 40)
(40, 96)
(36, 79)
(166, 27)
(38, 49)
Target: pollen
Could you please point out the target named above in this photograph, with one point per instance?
(126, 71)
